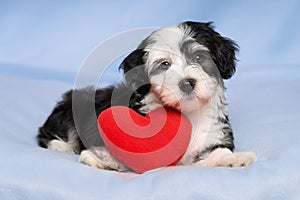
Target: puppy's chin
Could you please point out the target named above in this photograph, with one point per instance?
(195, 104)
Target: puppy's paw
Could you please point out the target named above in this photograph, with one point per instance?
(223, 157)
(60, 145)
(101, 158)
(238, 159)
(88, 158)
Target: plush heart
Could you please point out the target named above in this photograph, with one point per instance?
(144, 143)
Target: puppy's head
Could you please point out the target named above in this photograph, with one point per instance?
(184, 64)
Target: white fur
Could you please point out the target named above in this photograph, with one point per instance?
(225, 158)
(100, 157)
(168, 39)
(60, 145)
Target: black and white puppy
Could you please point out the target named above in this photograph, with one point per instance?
(180, 66)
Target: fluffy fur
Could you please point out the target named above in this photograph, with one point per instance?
(181, 66)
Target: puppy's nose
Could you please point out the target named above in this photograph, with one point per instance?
(187, 85)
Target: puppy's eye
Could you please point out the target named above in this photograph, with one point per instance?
(165, 65)
(198, 57)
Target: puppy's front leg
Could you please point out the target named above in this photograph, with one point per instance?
(223, 157)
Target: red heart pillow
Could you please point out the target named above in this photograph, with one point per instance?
(143, 143)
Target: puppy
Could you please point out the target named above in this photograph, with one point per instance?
(180, 66)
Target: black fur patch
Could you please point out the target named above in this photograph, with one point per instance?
(130, 93)
(221, 48)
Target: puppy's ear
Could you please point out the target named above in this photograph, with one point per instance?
(222, 49)
(134, 68)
